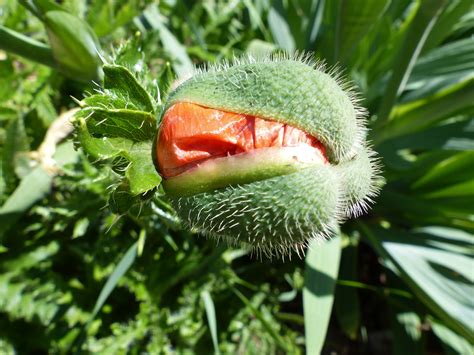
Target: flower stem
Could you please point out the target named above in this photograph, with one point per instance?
(17, 43)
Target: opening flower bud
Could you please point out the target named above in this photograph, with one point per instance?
(269, 154)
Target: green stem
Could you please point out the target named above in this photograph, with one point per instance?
(14, 42)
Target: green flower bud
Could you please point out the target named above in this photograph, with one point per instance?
(271, 199)
(74, 46)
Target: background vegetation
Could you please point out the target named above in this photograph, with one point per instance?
(83, 269)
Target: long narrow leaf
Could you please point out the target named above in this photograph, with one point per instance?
(411, 48)
(121, 268)
(211, 318)
(355, 20)
(322, 267)
(440, 277)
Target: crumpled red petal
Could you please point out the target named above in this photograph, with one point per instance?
(191, 134)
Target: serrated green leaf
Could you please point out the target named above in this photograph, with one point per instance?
(134, 125)
(142, 174)
(140, 171)
(322, 267)
(122, 83)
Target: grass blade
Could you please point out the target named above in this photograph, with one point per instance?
(266, 325)
(322, 267)
(355, 20)
(121, 268)
(211, 318)
(447, 22)
(32, 188)
(414, 40)
(281, 30)
(421, 114)
(346, 303)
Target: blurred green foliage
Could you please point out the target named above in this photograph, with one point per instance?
(91, 262)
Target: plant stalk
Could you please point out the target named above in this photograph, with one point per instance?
(17, 43)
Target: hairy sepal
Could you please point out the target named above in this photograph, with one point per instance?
(280, 214)
(273, 215)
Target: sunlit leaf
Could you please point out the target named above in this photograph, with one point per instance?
(322, 266)
(440, 278)
(211, 318)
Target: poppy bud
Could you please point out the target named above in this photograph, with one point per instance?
(265, 153)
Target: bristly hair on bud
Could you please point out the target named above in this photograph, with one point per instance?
(274, 215)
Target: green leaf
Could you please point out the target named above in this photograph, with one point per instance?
(16, 142)
(180, 60)
(211, 318)
(139, 171)
(415, 38)
(441, 278)
(447, 21)
(131, 124)
(281, 30)
(124, 85)
(453, 58)
(441, 68)
(258, 48)
(407, 334)
(423, 113)
(322, 266)
(451, 136)
(452, 170)
(295, 24)
(452, 342)
(355, 19)
(346, 303)
(122, 267)
(32, 188)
